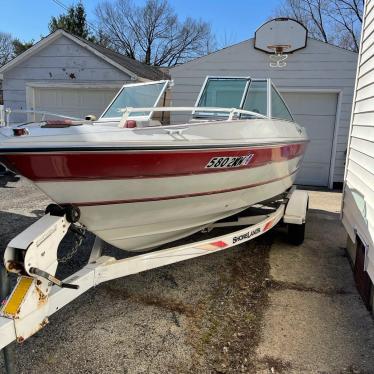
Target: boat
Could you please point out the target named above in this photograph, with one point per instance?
(139, 178)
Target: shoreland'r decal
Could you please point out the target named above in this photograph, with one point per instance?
(229, 162)
(247, 235)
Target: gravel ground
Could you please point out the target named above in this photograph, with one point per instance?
(261, 307)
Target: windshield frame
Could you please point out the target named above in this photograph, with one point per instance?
(140, 118)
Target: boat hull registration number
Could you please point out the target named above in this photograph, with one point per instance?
(229, 162)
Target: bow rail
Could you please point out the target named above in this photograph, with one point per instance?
(231, 111)
(6, 113)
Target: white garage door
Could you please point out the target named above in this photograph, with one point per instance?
(70, 101)
(316, 112)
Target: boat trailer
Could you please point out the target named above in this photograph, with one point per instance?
(38, 294)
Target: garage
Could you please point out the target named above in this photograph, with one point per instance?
(316, 111)
(317, 83)
(73, 100)
(68, 75)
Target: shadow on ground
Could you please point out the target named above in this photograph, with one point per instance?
(8, 177)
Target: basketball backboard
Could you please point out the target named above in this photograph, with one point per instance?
(285, 32)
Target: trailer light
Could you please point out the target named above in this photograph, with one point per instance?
(130, 124)
(15, 300)
(20, 131)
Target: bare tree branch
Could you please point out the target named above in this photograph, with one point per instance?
(333, 21)
(6, 48)
(152, 33)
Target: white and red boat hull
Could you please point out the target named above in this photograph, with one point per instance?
(139, 198)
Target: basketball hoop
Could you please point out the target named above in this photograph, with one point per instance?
(280, 37)
(278, 58)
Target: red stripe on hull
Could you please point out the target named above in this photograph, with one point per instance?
(162, 198)
(117, 165)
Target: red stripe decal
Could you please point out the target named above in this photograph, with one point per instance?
(140, 164)
(268, 226)
(220, 244)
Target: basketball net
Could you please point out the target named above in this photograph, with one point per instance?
(278, 58)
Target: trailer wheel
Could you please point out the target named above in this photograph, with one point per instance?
(296, 233)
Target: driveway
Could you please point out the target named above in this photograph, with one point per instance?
(261, 307)
(315, 321)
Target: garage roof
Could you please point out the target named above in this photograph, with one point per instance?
(136, 69)
(140, 69)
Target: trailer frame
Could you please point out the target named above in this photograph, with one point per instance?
(36, 296)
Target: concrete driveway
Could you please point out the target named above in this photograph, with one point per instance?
(262, 307)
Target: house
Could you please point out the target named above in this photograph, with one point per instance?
(66, 74)
(358, 196)
(317, 84)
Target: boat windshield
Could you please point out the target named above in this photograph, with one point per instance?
(256, 97)
(222, 93)
(279, 108)
(241, 93)
(136, 95)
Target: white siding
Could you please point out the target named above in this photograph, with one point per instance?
(62, 61)
(317, 67)
(358, 200)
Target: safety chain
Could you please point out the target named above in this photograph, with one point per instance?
(79, 236)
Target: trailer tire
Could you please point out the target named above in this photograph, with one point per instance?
(296, 233)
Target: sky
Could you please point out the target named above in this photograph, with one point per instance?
(231, 21)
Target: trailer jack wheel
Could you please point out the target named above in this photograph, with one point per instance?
(296, 233)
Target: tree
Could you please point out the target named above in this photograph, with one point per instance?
(74, 21)
(20, 47)
(6, 48)
(332, 21)
(152, 33)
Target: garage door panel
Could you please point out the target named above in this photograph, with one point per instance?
(301, 102)
(318, 127)
(105, 97)
(312, 172)
(43, 96)
(71, 101)
(70, 112)
(320, 150)
(317, 113)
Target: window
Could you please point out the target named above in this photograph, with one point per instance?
(256, 99)
(142, 95)
(278, 107)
